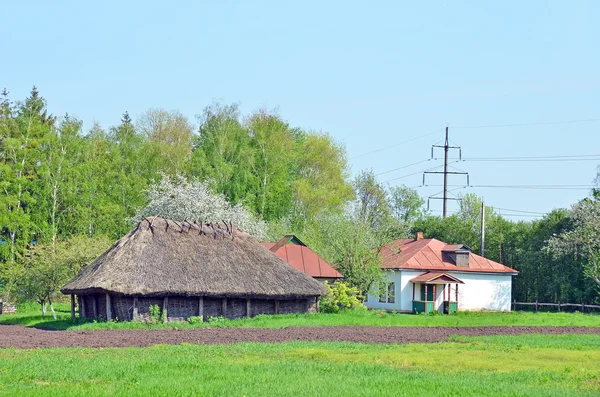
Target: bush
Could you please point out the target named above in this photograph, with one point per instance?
(341, 297)
(155, 313)
(195, 320)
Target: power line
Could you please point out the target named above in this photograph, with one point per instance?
(397, 144)
(405, 166)
(414, 173)
(557, 187)
(520, 211)
(527, 124)
(524, 215)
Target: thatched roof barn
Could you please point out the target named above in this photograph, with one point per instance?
(190, 269)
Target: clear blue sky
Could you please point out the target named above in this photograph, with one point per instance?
(369, 75)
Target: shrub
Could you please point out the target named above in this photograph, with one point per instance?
(155, 313)
(341, 297)
(195, 320)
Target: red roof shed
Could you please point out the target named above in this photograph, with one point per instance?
(300, 256)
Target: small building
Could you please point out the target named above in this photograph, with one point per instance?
(7, 307)
(190, 269)
(300, 256)
(423, 275)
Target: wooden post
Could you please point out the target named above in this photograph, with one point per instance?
(434, 297)
(108, 311)
(515, 305)
(95, 305)
(82, 309)
(559, 307)
(135, 308)
(201, 307)
(165, 309)
(318, 304)
(248, 308)
(276, 306)
(536, 306)
(456, 293)
(72, 306)
(446, 297)
(582, 308)
(224, 307)
(426, 290)
(413, 296)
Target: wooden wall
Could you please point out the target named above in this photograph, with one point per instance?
(180, 308)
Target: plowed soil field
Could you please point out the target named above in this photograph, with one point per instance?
(23, 337)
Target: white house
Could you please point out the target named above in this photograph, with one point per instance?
(422, 275)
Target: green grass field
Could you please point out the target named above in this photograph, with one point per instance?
(530, 365)
(30, 316)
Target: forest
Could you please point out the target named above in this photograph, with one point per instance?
(67, 194)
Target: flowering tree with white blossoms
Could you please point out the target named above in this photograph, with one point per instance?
(182, 200)
(583, 238)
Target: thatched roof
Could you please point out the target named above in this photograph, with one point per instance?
(161, 256)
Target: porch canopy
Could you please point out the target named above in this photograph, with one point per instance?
(428, 297)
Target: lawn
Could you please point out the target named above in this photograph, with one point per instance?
(30, 316)
(530, 365)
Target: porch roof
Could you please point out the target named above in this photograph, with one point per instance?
(436, 278)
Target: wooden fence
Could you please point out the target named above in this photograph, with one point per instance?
(537, 305)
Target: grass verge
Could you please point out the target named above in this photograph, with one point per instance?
(361, 317)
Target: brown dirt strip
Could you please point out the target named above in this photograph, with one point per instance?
(19, 336)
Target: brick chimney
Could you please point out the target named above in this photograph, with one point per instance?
(419, 236)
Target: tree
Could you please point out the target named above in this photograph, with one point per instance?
(47, 267)
(170, 135)
(222, 153)
(182, 200)
(406, 204)
(273, 144)
(24, 130)
(321, 178)
(372, 199)
(582, 238)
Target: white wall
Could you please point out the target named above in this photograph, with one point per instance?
(394, 276)
(483, 291)
(480, 291)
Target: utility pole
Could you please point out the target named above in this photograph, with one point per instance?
(483, 229)
(446, 174)
(445, 197)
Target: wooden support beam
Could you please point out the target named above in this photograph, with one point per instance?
(456, 292)
(82, 309)
(201, 307)
(165, 310)
(95, 305)
(413, 296)
(72, 306)
(276, 306)
(135, 308)
(108, 308)
(318, 304)
(248, 307)
(224, 307)
(434, 297)
(426, 291)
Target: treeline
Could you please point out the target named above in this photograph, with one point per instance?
(59, 181)
(61, 185)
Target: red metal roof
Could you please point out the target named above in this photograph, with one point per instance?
(431, 254)
(303, 258)
(436, 278)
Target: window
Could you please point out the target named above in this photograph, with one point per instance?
(387, 293)
(391, 293)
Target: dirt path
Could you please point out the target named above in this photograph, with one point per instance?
(22, 337)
